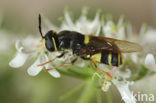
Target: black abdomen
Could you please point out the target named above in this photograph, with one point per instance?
(114, 59)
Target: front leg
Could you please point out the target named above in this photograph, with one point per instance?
(62, 65)
(61, 55)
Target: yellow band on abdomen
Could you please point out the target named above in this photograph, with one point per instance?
(119, 62)
(97, 57)
(86, 39)
(110, 59)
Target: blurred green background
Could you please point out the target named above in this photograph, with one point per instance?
(20, 17)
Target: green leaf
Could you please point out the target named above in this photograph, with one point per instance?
(99, 96)
(109, 97)
(87, 93)
(72, 92)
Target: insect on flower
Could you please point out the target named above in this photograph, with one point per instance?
(97, 49)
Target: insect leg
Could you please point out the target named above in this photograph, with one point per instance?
(106, 73)
(62, 65)
(61, 55)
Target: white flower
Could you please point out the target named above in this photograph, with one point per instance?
(20, 57)
(149, 36)
(150, 62)
(110, 29)
(123, 86)
(82, 25)
(134, 57)
(86, 26)
(31, 48)
(33, 70)
(124, 90)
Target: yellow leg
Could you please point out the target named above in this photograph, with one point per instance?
(62, 65)
(47, 62)
(52, 59)
(106, 73)
(57, 67)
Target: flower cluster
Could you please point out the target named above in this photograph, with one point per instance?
(31, 48)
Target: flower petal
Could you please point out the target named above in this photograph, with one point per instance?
(18, 60)
(149, 36)
(68, 18)
(150, 62)
(124, 90)
(95, 25)
(86, 26)
(30, 43)
(33, 70)
(123, 86)
(134, 57)
(54, 73)
(107, 28)
(18, 46)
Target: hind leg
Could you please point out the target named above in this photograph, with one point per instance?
(106, 73)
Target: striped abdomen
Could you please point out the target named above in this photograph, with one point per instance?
(114, 59)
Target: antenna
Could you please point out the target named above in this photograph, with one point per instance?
(40, 29)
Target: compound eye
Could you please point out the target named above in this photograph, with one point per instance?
(49, 45)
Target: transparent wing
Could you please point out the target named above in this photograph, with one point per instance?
(110, 44)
